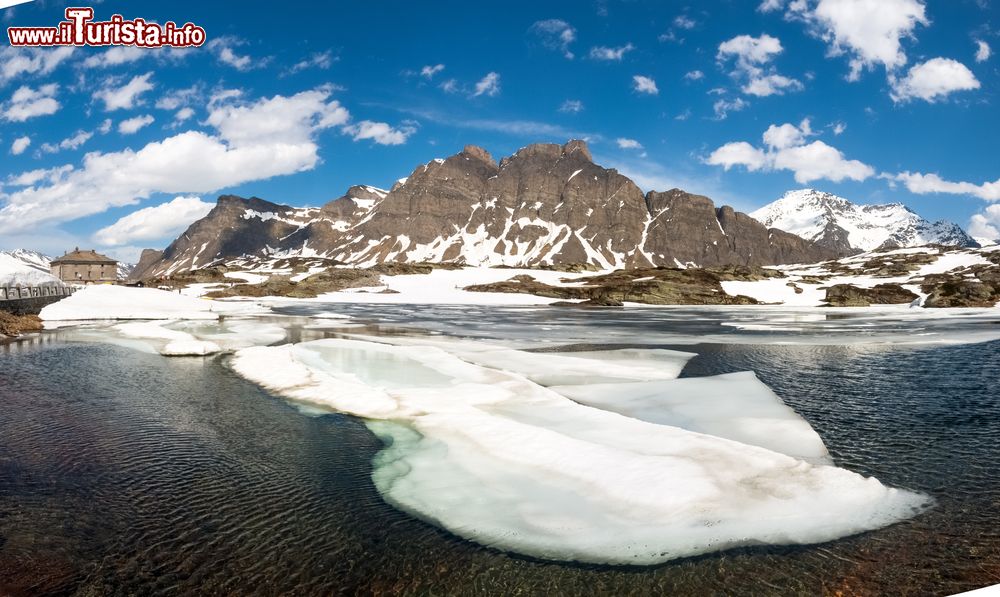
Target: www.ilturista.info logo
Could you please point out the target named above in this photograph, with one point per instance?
(79, 29)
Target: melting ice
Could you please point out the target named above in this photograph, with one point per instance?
(594, 457)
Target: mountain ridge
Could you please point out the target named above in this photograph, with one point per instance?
(838, 224)
(545, 205)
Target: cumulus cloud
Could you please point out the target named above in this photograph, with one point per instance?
(19, 145)
(183, 114)
(132, 125)
(379, 132)
(251, 141)
(644, 84)
(127, 96)
(571, 106)
(69, 143)
(27, 103)
(555, 34)
(924, 184)
(684, 22)
(786, 148)
(752, 58)
(986, 224)
(488, 85)
(429, 71)
(166, 220)
(116, 56)
(983, 51)
(869, 31)
(610, 54)
(624, 143)
(15, 61)
(933, 80)
(695, 75)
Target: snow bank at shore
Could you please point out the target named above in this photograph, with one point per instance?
(121, 302)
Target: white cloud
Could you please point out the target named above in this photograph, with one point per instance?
(320, 60)
(571, 106)
(624, 143)
(771, 5)
(613, 54)
(555, 34)
(786, 149)
(116, 56)
(132, 125)
(253, 141)
(429, 71)
(379, 132)
(695, 75)
(870, 30)
(177, 98)
(488, 85)
(684, 22)
(983, 51)
(166, 220)
(924, 184)
(987, 224)
(839, 128)
(933, 80)
(105, 127)
(28, 103)
(752, 57)
(127, 96)
(723, 107)
(750, 51)
(787, 135)
(32, 61)
(774, 84)
(183, 114)
(19, 145)
(449, 86)
(223, 49)
(644, 85)
(738, 153)
(69, 143)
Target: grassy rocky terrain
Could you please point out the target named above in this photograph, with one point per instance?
(12, 326)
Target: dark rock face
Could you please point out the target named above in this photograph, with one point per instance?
(847, 295)
(547, 205)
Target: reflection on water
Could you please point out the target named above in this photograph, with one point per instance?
(124, 472)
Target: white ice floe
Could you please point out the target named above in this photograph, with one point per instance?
(121, 302)
(735, 406)
(501, 460)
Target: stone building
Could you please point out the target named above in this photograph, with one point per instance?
(85, 267)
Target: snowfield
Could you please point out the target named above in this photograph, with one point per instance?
(122, 302)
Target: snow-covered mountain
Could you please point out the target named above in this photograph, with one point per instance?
(836, 223)
(21, 267)
(32, 259)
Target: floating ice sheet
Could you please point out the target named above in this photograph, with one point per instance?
(501, 460)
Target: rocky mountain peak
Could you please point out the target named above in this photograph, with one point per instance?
(577, 145)
(479, 153)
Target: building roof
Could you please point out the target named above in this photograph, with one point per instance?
(78, 256)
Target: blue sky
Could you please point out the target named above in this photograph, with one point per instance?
(874, 100)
